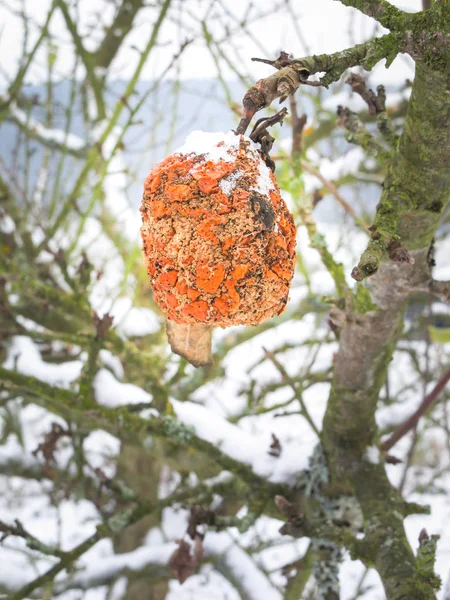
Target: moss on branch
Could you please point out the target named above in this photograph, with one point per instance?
(384, 12)
(132, 428)
(417, 186)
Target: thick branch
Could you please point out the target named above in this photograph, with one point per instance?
(86, 57)
(287, 79)
(382, 11)
(116, 33)
(130, 427)
(416, 190)
(417, 186)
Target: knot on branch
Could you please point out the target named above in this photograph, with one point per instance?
(398, 253)
(291, 73)
(261, 136)
(295, 519)
(375, 102)
(425, 559)
(102, 324)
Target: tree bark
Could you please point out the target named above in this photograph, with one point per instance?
(416, 190)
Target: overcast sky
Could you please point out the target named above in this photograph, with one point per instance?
(324, 25)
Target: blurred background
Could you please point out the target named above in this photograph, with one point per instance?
(93, 93)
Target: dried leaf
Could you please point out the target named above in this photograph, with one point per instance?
(193, 342)
(182, 563)
(275, 446)
(102, 324)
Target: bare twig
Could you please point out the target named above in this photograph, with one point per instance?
(332, 188)
(293, 384)
(410, 423)
(298, 124)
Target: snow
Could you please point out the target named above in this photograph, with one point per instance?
(236, 443)
(220, 548)
(332, 169)
(133, 321)
(372, 455)
(55, 136)
(264, 184)
(113, 565)
(112, 362)
(110, 392)
(24, 356)
(228, 183)
(214, 145)
(252, 580)
(7, 224)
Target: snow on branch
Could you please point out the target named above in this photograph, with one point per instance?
(249, 449)
(56, 139)
(228, 558)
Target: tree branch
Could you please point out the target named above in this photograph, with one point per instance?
(382, 11)
(128, 426)
(287, 79)
(87, 60)
(55, 139)
(410, 423)
(116, 33)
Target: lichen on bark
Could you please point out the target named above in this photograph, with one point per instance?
(416, 190)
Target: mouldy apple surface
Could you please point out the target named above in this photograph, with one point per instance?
(218, 239)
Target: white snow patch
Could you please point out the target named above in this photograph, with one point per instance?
(264, 184)
(56, 136)
(108, 567)
(251, 449)
(252, 580)
(332, 169)
(112, 362)
(137, 321)
(24, 356)
(7, 224)
(215, 145)
(228, 183)
(372, 455)
(110, 392)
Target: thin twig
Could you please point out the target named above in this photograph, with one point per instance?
(332, 188)
(286, 377)
(410, 423)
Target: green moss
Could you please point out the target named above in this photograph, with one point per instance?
(363, 300)
(426, 580)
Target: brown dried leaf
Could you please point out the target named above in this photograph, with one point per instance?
(285, 507)
(102, 324)
(182, 563)
(48, 447)
(199, 516)
(275, 446)
(193, 342)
